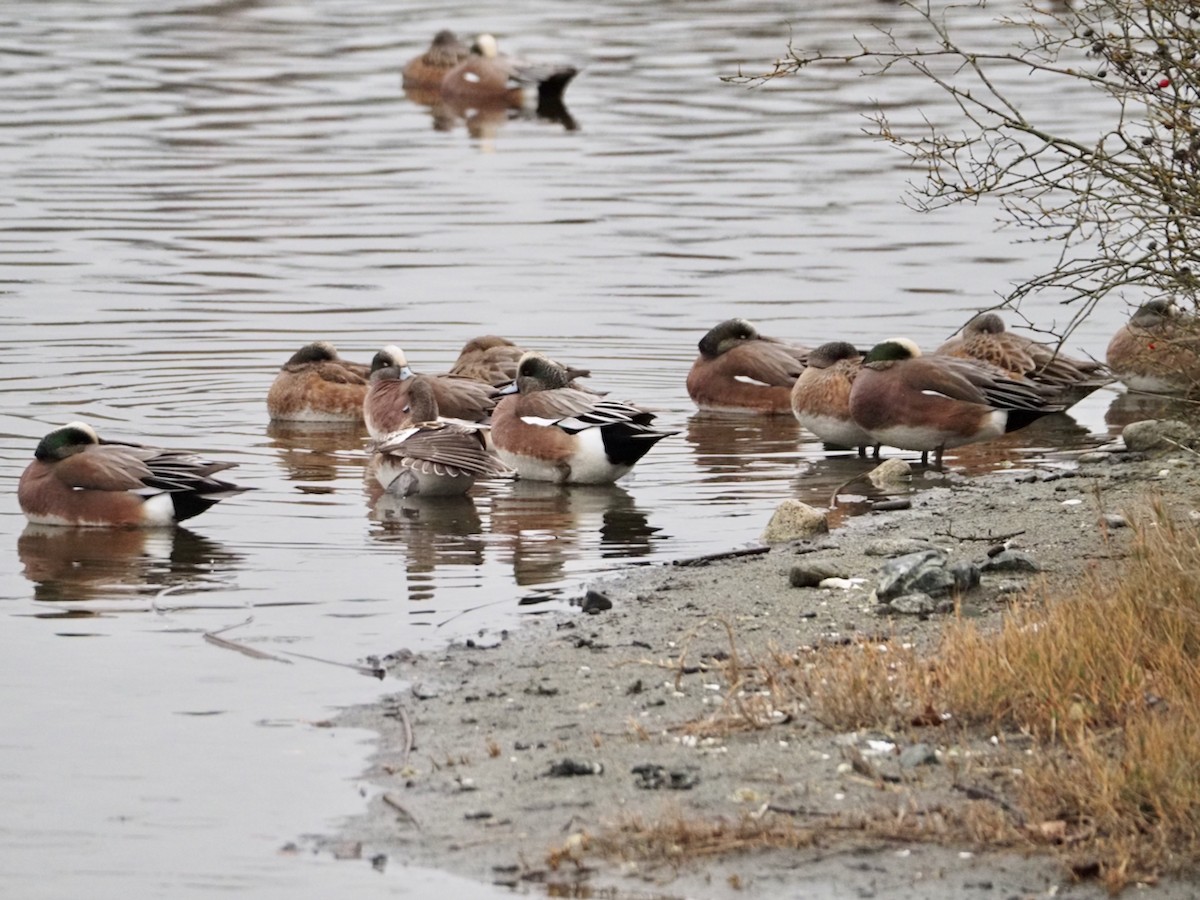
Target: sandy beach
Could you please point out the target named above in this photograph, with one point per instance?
(505, 760)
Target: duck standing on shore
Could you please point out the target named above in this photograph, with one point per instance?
(914, 402)
(821, 396)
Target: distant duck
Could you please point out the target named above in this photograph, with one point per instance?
(914, 402)
(432, 457)
(985, 338)
(425, 73)
(548, 431)
(385, 408)
(821, 396)
(493, 360)
(76, 479)
(739, 370)
(487, 77)
(1158, 350)
(317, 385)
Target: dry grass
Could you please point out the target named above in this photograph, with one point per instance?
(1105, 680)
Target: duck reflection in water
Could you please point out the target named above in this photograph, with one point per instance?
(732, 448)
(78, 564)
(435, 533)
(316, 452)
(551, 526)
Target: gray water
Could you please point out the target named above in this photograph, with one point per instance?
(191, 191)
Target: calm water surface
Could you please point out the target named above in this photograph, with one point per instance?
(193, 190)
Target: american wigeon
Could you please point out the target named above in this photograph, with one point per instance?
(914, 402)
(739, 370)
(385, 408)
(486, 77)
(549, 431)
(493, 360)
(432, 457)
(76, 479)
(821, 396)
(1157, 350)
(985, 338)
(317, 385)
(425, 73)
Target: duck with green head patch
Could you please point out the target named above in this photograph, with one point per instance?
(77, 479)
(914, 402)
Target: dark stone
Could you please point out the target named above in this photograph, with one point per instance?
(1011, 561)
(595, 602)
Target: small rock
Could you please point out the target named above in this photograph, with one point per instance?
(1157, 434)
(793, 519)
(1115, 520)
(840, 584)
(914, 604)
(811, 574)
(891, 505)
(891, 473)
(651, 777)
(1010, 587)
(1011, 561)
(1094, 456)
(1027, 478)
(918, 755)
(595, 602)
(568, 768)
(896, 547)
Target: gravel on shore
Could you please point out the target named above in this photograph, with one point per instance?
(494, 761)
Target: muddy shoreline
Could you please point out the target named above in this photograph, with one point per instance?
(497, 758)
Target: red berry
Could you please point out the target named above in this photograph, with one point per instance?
(1164, 83)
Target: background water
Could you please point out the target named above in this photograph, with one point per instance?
(193, 190)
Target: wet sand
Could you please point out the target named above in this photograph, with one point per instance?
(469, 775)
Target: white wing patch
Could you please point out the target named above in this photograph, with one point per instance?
(746, 379)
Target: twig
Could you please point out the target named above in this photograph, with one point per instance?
(374, 671)
(978, 793)
(408, 733)
(697, 561)
(978, 537)
(398, 807)
(212, 638)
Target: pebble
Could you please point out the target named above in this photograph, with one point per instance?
(1011, 561)
(1094, 456)
(913, 604)
(595, 602)
(918, 755)
(811, 574)
(1116, 520)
